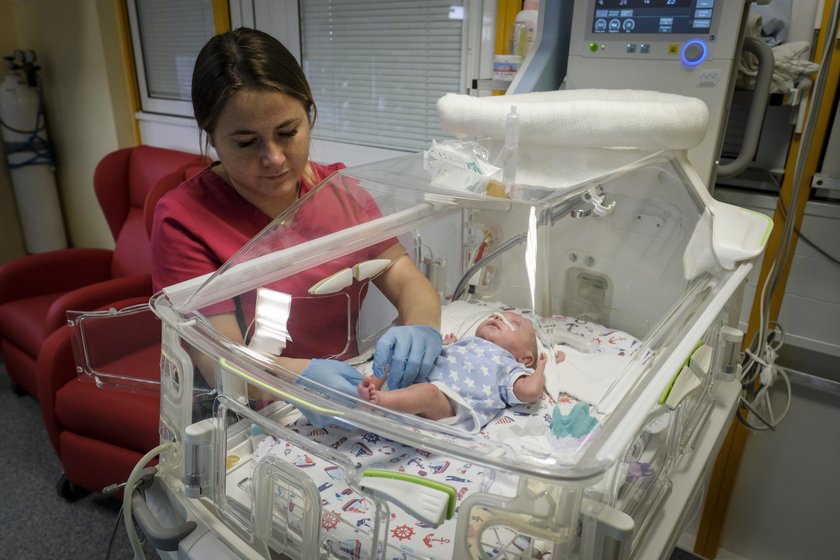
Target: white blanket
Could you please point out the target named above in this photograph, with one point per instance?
(601, 379)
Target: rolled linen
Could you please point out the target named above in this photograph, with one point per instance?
(593, 118)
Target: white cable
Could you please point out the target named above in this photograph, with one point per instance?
(128, 491)
(767, 376)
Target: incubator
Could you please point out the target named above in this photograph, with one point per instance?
(626, 266)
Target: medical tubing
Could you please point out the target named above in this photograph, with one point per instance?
(755, 117)
(549, 217)
(509, 244)
(40, 147)
(128, 493)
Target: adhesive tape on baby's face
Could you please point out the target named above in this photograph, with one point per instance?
(504, 320)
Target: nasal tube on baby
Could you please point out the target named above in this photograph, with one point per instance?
(504, 320)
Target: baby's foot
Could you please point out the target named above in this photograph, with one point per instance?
(559, 356)
(375, 396)
(367, 389)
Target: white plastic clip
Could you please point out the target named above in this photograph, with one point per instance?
(598, 203)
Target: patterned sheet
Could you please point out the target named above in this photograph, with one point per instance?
(347, 515)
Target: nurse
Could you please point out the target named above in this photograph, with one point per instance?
(254, 106)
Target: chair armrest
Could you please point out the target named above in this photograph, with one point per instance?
(53, 271)
(95, 296)
(55, 368)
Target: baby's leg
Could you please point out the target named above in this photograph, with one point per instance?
(423, 399)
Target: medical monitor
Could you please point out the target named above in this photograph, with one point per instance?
(687, 31)
(655, 17)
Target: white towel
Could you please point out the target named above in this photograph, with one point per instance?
(599, 378)
(595, 118)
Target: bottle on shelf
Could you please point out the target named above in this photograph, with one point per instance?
(525, 28)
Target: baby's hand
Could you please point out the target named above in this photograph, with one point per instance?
(559, 356)
(542, 360)
(450, 338)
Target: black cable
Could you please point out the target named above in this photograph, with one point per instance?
(113, 534)
(784, 212)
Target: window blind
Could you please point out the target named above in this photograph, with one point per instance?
(377, 68)
(171, 35)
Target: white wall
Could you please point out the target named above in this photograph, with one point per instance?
(11, 239)
(87, 108)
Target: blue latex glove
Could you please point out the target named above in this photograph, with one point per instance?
(334, 374)
(409, 352)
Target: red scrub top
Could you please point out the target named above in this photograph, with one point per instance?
(203, 222)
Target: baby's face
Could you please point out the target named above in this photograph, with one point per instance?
(514, 333)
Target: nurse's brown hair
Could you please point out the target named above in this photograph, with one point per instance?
(244, 59)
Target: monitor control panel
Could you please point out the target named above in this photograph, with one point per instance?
(683, 30)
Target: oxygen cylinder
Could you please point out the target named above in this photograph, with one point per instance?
(28, 155)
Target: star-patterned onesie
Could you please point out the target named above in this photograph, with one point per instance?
(477, 376)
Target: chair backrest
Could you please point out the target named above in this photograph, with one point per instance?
(163, 186)
(122, 181)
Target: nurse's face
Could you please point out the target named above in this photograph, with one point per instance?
(262, 141)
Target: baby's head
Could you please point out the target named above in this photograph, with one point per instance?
(514, 333)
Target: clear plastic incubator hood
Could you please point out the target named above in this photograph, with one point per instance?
(631, 274)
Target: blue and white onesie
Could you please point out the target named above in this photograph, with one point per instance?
(477, 376)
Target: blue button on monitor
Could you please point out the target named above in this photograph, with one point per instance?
(693, 53)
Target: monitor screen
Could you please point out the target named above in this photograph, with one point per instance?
(663, 17)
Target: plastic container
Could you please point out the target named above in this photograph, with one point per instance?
(525, 28)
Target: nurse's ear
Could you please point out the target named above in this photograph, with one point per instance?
(208, 143)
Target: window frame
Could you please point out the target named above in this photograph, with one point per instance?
(148, 103)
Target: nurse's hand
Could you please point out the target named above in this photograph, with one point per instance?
(408, 352)
(334, 374)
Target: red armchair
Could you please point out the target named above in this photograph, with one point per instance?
(101, 431)
(37, 290)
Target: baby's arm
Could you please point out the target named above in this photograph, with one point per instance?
(528, 388)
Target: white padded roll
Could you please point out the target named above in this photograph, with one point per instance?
(594, 118)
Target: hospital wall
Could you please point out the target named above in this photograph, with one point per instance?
(86, 103)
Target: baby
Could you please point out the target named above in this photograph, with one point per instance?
(474, 378)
